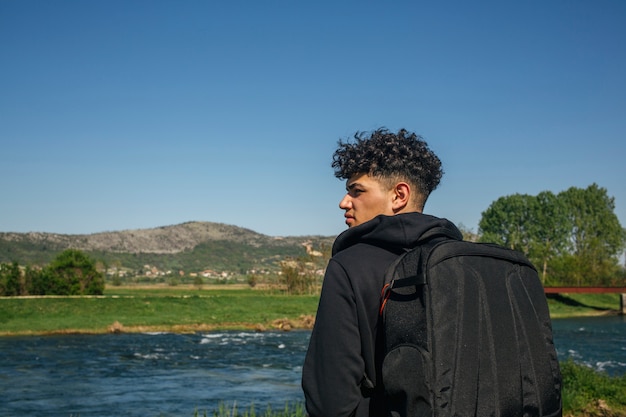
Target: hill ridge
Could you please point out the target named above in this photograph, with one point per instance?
(168, 239)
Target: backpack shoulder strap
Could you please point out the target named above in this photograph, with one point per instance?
(408, 269)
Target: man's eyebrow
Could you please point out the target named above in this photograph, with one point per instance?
(353, 185)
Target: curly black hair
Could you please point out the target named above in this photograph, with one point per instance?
(390, 157)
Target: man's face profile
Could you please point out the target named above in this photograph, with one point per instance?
(365, 199)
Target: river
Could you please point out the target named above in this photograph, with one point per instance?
(164, 374)
(598, 342)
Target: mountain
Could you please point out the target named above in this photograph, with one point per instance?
(190, 247)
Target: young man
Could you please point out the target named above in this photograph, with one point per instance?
(389, 178)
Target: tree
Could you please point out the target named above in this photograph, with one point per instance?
(508, 222)
(10, 277)
(37, 282)
(298, 275)
(73, 273)
(468, 234)
(596, 238)
(574, 236)
(550, 231)
(529, 224)
(594, 227)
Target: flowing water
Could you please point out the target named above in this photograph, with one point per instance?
(598, 342)
(164, 374)
(148, 374)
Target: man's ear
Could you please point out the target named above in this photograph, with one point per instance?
(401, 196)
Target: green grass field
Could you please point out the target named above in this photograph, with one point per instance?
(569, 305)
(189, 309)
(164, 309)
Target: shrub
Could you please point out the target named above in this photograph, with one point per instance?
(587, 392)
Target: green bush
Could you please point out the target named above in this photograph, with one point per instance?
(70, 273)
(226, 410)
(10, 277)
(590, 393)
(73, 273)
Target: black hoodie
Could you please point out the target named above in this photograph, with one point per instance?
(342, 349)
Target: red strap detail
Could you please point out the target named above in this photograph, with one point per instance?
(384, 295)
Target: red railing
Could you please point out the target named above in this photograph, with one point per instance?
(589, 290)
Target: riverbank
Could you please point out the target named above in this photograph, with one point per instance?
(583, 305)
(157, 309)
(188, 309)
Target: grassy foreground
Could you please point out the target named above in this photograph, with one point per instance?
(586, 393)
(188, 309)
(227, 410)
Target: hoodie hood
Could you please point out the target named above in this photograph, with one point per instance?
(397, 232)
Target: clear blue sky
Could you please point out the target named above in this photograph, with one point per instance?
(134, 114)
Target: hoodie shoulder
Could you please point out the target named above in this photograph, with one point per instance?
(397, 232)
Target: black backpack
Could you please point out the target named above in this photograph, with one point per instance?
(467, 332)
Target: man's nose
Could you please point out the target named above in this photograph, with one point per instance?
(345, 202)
